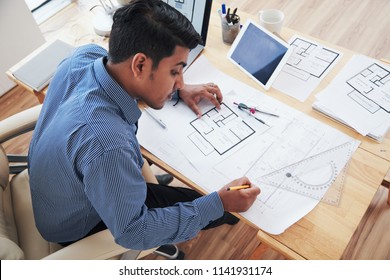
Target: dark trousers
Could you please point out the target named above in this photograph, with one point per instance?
(159, 196)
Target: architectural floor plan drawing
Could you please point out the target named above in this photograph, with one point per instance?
(306, 67)
(309, 59)
(359, 96)
(371, 88)
(219, 130)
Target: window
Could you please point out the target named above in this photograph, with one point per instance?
(44, 9)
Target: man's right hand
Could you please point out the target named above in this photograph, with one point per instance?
(193, 94)
(238, 200)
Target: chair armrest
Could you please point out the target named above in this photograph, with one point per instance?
(17, 168)
(17, 163)
(19, 123)
(99, 246)
(16, 158)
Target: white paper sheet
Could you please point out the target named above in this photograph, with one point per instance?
(306, 68)
(214, 160)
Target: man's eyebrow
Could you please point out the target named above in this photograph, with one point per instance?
(182, 63)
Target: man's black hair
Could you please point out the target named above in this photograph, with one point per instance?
(151, 27)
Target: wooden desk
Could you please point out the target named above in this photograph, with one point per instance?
(326, 231)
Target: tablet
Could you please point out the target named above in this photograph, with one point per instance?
(259, 53)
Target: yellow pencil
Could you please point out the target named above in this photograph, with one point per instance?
(238, 188)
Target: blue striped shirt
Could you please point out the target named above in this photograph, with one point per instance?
(85, 164)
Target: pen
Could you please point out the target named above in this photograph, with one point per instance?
(223, 9)
(238, 188)
(160, 122)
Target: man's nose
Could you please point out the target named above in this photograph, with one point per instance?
(179, 82)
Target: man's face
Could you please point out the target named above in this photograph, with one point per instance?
(162, 81)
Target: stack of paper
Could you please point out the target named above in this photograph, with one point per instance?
(38, 71)
(359, 97)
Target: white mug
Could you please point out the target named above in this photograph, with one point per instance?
(123, 2)
(272, 20)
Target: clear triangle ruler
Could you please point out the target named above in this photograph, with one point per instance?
(320, 176)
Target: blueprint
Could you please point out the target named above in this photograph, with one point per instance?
(362, 91)
(226, 144)
(219, 130)
(306, 67)
(371, 88)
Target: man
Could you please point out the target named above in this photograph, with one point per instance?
(85, 165)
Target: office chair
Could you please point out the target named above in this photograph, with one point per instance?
(19, 237)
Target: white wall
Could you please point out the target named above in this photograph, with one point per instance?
(20, 35)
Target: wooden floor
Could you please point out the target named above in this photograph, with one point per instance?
(360, 25)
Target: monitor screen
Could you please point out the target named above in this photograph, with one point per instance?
(198, 12)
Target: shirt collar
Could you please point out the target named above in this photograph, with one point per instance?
(125, 102)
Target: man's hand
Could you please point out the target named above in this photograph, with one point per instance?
(238, 200)
(193, 94)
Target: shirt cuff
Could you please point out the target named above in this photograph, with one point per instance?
(210, 208)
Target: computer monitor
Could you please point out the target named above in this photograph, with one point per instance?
(198, 12)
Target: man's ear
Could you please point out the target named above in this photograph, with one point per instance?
(138, 64)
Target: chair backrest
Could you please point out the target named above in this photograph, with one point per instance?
(19, 237)
(9, 248)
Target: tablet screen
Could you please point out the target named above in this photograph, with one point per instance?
(259, 53)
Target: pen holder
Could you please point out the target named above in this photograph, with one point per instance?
(230, 29)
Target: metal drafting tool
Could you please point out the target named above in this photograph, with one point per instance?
(253, 116)
(253, 109)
